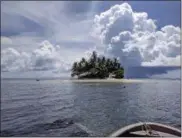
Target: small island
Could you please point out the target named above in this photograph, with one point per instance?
(97, 68)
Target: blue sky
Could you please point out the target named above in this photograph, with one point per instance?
(165, 12)
(26, 24)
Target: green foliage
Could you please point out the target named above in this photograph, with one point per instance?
(119, 73)
(97, 67)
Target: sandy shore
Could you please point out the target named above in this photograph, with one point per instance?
(110, 80)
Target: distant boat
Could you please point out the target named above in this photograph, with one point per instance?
(147, 129)
(37, 80)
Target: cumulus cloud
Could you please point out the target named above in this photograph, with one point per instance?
(134, 38)
(12, 60)
(131, 36)
(46, 57)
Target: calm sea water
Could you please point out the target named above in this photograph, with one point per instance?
(55, 108)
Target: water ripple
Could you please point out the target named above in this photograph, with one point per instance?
(53, 108)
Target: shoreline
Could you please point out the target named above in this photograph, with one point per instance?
(105, 80)
(112, 80)
(109, 80)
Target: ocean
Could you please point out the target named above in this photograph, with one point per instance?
(65, 108)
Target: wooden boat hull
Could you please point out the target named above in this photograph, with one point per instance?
(157, 130)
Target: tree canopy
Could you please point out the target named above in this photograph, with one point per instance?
(97, 67)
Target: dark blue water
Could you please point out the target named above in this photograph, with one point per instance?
(57, 108)
(163, 72)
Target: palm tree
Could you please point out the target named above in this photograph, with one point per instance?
(93, 60)
(98, 60)
(103, 60)
(86, 66)
(83, 60)
(118, 65)
(94, 56)
(115, 63)
(74, 69)
(108, 64)
(102, 71)
(83, 63)
(97, 67)
(115, 60)
(80, 68)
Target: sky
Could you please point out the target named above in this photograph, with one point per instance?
(51, 35)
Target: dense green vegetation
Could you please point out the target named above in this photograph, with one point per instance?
(97, 67)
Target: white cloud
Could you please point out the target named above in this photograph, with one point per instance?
(46, 57)
(119, 31)
(12, 60)
(38, 21)
(33, 22)
(133, 37)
